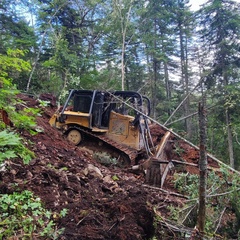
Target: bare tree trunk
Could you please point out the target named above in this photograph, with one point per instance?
(187, 105)
(122, 60)
(154, 88)
(228, 124)
(185, 76)
(230, 140)
(124, 21)
(154, 75)
(64, 78)
(167, 85)
(202, 169)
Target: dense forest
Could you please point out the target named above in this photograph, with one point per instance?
(160, 48)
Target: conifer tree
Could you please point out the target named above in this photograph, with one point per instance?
(220, 22)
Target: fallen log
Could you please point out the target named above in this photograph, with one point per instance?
(165, 191)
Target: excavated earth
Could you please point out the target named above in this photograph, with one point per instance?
(103, 202)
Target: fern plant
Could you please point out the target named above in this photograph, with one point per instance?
(11, 146)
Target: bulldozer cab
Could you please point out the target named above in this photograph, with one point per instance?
(89, 102)
(98, 105)
(81, 103)
(118, 115)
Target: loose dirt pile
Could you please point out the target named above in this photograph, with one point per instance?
(102, 202)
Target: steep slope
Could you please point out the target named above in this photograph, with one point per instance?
(102, 202)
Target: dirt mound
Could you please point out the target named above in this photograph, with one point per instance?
(102, 202)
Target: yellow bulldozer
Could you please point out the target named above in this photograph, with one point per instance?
(120, 121)
(117, 118)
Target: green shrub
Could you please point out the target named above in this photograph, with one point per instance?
(223, 197)
(22, 215)
(104, 158)
(11, 146)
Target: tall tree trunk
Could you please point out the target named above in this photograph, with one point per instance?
(187, 104)
(123, 62)
(124, 22)
(202, 169)
(184, 76)
(167, 85)
(126, 79)
(154, 89)
(154, 75)
(229, 129)
(230, 140)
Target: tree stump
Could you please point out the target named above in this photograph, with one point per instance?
(153, 174)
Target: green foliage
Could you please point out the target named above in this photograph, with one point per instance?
(186, 183)
(11, 146)
(62, 58)
(217, 129)
(115, 178)
(86, 81)
(25, 118)
(18, 35)
(9, 143)
(24, 153)
(8, 139)
(220, 22)
(12, 62)
(43, 103)
(223, 194)
(23, 215)
(9, 63)
(105, 158)
(63, 212)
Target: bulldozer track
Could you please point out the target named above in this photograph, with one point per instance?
(124, 150)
